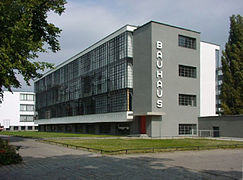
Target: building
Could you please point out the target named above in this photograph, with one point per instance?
(209, 84)
(221, 126)
(138, 80)
(17, 111)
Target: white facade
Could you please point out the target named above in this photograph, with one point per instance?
(208, 79)
(17, 111)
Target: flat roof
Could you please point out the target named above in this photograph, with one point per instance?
(211, 43)
(168, 26)
(223, 116)
(127, 27)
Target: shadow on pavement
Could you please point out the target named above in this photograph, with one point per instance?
(12, 138)
(93, 166)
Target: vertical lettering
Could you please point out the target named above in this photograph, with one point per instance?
(159, 74)
(159, 64)
(159, 93)
(159, 45)
(159, 55)
(159, 84)
(159, 103)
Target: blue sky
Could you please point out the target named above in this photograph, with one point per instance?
(87, 21)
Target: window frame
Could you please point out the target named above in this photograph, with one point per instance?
(187, 71)
(26, 107)
(187, 129)
(186, 100)
(187, 42)
(26, 97)
(24, 118)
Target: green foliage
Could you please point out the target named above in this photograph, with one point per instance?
(24, 32)
(232, 67)
(8, 154)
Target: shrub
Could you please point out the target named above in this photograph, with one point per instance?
(8, 154)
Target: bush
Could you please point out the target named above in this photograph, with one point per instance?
(8, 154)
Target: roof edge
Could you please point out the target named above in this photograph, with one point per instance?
(211, 43)
(152, 21)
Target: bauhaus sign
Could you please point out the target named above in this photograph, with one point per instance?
(159, 74)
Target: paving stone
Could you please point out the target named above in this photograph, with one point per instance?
(45, 161)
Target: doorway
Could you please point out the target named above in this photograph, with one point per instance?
(215, 131)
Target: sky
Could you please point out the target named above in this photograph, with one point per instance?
(85, 22)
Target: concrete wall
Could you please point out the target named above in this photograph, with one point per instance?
(142, 70)
(208, 79)
(145, 77)
(229, 126)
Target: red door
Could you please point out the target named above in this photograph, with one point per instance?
(143, 124)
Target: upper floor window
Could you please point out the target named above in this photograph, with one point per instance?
(27, 107)
(26, 118)
(187, 100)
(187, 42)
(26, 97)
(187, 71)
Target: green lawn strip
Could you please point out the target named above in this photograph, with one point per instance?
(36, 134)
(141, 144)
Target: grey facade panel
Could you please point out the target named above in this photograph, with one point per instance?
(142, 70)
(229, 126)
(146, 76)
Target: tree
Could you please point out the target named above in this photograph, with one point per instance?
(232, 68)
(24, 31)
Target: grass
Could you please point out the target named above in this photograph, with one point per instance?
(140, 145)
(36, 134)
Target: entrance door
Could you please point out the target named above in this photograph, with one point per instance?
(143, 125)
(215, 131)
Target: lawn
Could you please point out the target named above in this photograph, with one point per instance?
(36, 134)
(140, 144)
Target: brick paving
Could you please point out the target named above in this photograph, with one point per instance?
(45, 161)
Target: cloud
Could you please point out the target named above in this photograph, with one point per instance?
(85, 22)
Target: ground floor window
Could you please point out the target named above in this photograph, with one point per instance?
(36, 127)
(22, 128)
(16, 128)
(90, 129)
(105, 128)
(187, 129)
(30, 127)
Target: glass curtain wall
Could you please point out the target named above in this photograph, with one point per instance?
(99, 81)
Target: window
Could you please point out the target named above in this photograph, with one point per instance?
(27, 107)
(26, 97)
(187, 129)
(187, 100)
(22, 128)
(217, 59)
(16, 128)
(30, 128)
(26, 118)
(105, 128)
(187, 71)
(187, 42)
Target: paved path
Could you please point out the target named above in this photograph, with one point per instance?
(45, 161)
